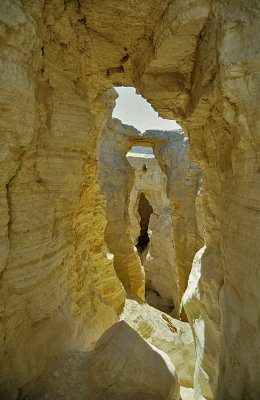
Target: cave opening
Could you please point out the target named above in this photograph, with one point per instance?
(193, 60)
(144, 210)
(133, 109)
(150, 215)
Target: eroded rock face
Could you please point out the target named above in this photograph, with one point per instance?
(158, 258)
(117, 179)
(183, 185)
(169, 335)
(194, 61)
(122, 366)
(58, 289)
(203, 288)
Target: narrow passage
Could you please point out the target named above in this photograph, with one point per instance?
(144, 210)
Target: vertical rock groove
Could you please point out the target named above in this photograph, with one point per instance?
(194, 61)
(145, 210)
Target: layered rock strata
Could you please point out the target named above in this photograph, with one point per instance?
(117, 178)
(158, 258)
(58, 289)
(196, 61)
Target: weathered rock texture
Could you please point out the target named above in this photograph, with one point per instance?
(170, 335)
(158, 259)
(204, 291)
(183, 184)
(196, 61)
(58, 289)
(122, 366)
(117, 179)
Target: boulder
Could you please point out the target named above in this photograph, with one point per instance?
(169, 335)
(124, 366)
(121, 366)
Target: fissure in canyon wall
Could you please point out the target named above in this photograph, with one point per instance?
(144, 210)
(117, 183)
(195, 61)
(158, 258)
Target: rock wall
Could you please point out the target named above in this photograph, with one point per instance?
(159, 261)
(58, 289)
(172, 336)
(223, 128)
(195, 61)
(117, 180)
(183, 188)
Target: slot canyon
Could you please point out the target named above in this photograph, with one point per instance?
(129, 261)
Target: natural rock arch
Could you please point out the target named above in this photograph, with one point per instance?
(193, 62)
(158, 255)
(116, 179)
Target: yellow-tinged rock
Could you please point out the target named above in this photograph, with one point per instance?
(170, 335)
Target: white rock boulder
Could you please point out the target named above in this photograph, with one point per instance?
(169, 335)
(124, 366)
(121, 366)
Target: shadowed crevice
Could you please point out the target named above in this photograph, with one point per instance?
(145, 210)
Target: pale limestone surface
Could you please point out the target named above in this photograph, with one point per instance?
(122, 366)
(58, 289)
(183, 184)
(204, 291)
(188, 394)
(196, 61)
(170, 335)
(159, 260)
(117, 179)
